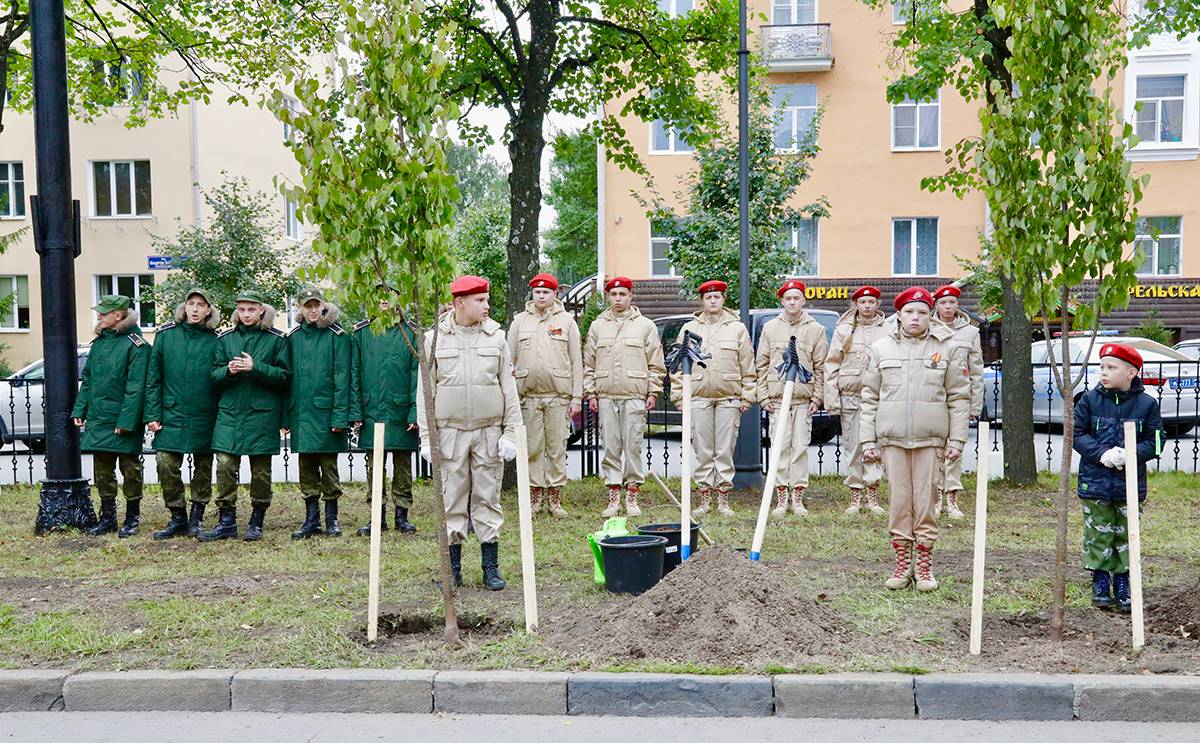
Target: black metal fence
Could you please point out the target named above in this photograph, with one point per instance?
(1174, 384)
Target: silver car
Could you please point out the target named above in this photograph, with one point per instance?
(1169, 375)
(22, 415)
(1191, 349)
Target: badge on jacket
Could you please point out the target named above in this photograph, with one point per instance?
(936, 357)
(554, 331)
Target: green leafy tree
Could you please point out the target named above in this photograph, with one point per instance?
(238, 247)
(571, 241)
(704, 239)
(1154, 328)
(538, 57)
(479, 176)
(376, 183)
(477, 242)
(155, 55)
(1068, 213)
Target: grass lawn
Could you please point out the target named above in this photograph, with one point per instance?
(76, 602)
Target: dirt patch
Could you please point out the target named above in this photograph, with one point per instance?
(717, 608)
(1177, 615)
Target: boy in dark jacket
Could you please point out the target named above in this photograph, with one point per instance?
(1100, 418)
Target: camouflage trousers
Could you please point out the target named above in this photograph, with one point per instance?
(104, 473)
(227, 479)
(1105, 536)
(319, 476)
(400, 494)
(170, 476)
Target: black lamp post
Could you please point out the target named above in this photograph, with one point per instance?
(65, 497)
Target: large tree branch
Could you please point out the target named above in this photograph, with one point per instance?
(471, 25)
(605, 23)
(514, 32)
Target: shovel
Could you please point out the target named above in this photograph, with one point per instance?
(682, 359)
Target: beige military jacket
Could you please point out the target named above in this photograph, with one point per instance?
(847, 358)
(966, 338)
(547, 359)
(474, 377)
(729, 374)
(623, 357)
(811, 346)
(915, 391)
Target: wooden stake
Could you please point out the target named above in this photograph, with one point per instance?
(525, 518)
(671, 496)
(781, 429)
(1134, 523)
(376, 531)
(685, 482)
(981, 490)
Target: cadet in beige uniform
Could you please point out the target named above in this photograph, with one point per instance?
(476, 410)
(623, 372)
(914, 414)
(791, 471)
(966, 339)
(721, 391)
(856, 330)
(544, 341)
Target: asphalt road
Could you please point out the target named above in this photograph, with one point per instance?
(157, 727)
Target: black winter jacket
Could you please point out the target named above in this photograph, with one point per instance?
(1100, 417)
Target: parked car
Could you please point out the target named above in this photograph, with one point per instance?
(22, 416)
(1168, 374)
(825, 426)
(1191, 349)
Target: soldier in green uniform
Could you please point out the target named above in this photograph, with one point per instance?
(181, 408)
(319, 407)
(385, 388)
(109, 410)
(252, 371)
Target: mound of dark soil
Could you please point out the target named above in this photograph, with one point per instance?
(1177, 615)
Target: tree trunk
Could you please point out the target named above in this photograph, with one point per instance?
(525, 206)
(1020, 461)
(1066, 390)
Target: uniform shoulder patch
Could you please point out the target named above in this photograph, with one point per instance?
(166, 326)
(225, 332)
(280, 333)
(361, 324)
(137, 340)
(337, 329)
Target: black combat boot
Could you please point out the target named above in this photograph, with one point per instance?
(226, 527)
(491, 566)
(403, 525)
(133, 519)
(108, 518)
(365, 531)
(312, 519)
(254, 529)
(1101, 590)
(1121, 592)
(176, 527)
(196, 520)
(456, 563)
(332, 527)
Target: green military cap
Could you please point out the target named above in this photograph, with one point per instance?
(250, 295)
(310, 294)
(112, 303)
(197, 291)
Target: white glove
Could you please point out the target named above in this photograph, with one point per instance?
(1118, 457)
(507, 449)
(426, 455)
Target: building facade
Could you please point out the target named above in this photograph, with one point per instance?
(133, 185)
(882, 226)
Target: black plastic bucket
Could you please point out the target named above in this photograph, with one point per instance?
(632, 564)
(671, 557)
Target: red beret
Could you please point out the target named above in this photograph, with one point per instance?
(464, 285)
(616, 282)
(789, 285)
(1125, 353)
(948, 290)
(716, 285)
(866, 291)
(913, 294)
(544, 281)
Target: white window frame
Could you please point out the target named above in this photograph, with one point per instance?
(674, 137)
(912, 259)
(143, 322)
(134, 80)
(1152, 253)
(112, 184)
(936, 105)
(898, 18)
(666, 243)
(791, 111)
(289, 131)
(1165, 59)
(9, 281)
(293, 228)
(13, 201)
(794, 10)
(1157, 103)
(672, 8)
(793, 236)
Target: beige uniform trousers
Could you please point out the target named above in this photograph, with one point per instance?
(472, 473)
(913, 476)
(715, 426)
(623, 429)
(792, 468)
(952, 474)
(859, 474)
(547, 426)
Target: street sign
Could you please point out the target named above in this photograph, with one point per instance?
(160, 262)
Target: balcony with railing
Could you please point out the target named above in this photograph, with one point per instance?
(798, 47)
